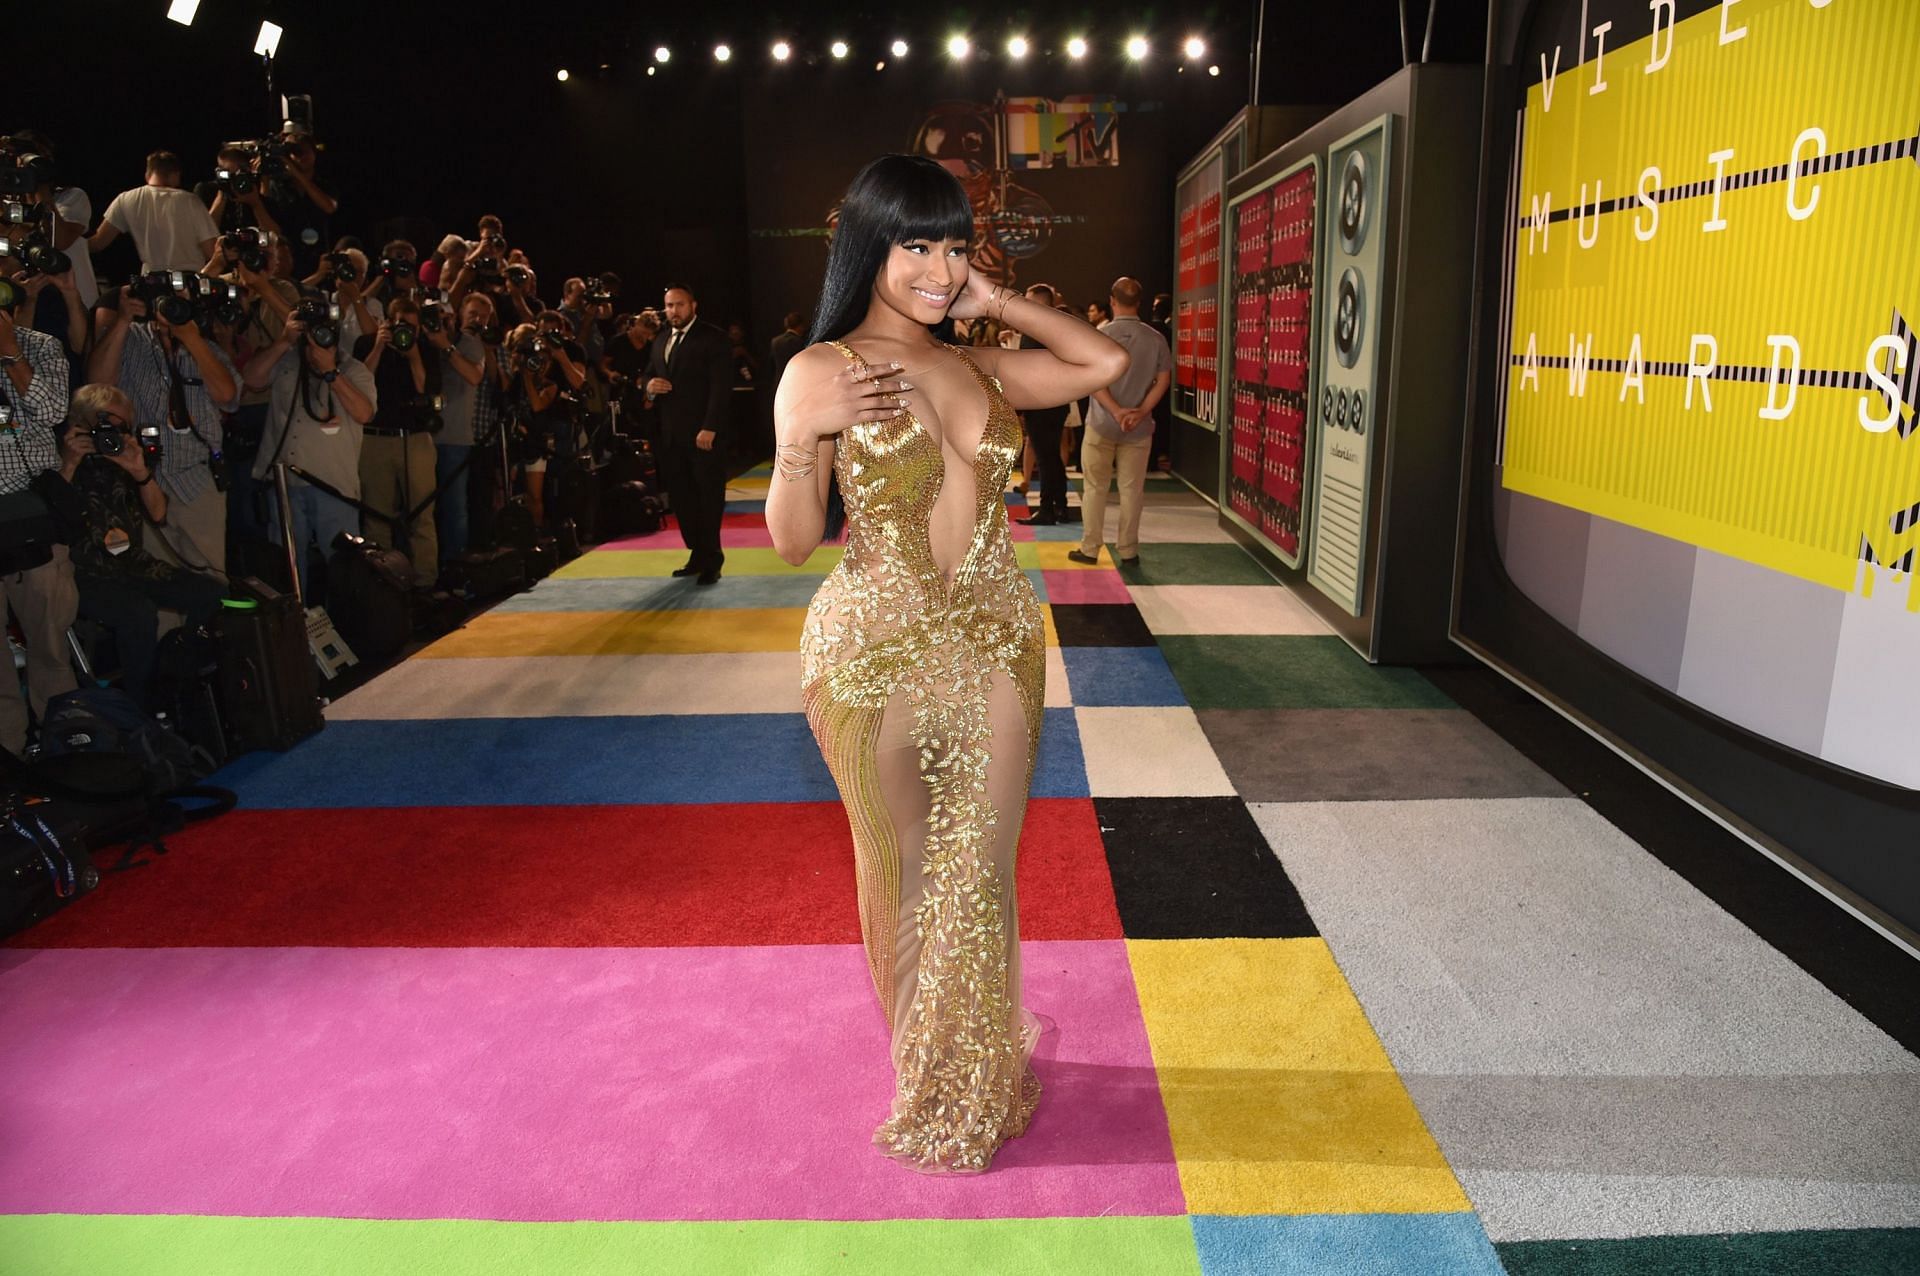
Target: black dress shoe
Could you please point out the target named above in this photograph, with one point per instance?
(711, 576)
(1067, 515)
(688, 570)
(1039, 520)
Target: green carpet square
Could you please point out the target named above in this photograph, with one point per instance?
(189, 1245)
(1872, 1251)
(1272, 671)
(1178, 564)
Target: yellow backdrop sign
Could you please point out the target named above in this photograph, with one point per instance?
(1716, 278)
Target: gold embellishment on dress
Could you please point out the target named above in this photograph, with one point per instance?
(888, 624)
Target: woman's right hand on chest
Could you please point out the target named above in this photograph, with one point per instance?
(819, 399)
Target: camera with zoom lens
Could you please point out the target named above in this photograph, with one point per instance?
(226, 304)
(322, 320)
(24, 174)
(599, 292)
(490, 334)
(344, 271)
(433, 317)
(402, 335)
(517, 275)
(272, 156)
(532, 350)
(399, 267)
(35, 253)
(161, 289)
(236, 181)
(106, 436)
(246, 247)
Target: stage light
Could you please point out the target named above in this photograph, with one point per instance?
(652, 69)
(1017, 47)
(880, 65)
(782, 50)
(1213, 70)
(899, 48)
(1076, 48)
(268, 42)
(958, 46)
(1137, 47)
(561, 75)
(721, 53)
(662, 54)
(182, 11)
(1195, 48)
(838, 48)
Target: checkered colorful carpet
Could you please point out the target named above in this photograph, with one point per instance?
(543, 958)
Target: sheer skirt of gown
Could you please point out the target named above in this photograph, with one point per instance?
(925, 696)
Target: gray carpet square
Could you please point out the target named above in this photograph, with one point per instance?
(1338, 755)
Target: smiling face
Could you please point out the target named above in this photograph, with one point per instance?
(921, 277)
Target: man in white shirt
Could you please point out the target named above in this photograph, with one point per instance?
(170, 226)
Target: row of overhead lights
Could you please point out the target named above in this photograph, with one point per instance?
(959, 48)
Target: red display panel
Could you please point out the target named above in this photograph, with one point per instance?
(1196, 298)
(1272, 301)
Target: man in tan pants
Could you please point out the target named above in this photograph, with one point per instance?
(1119, 436)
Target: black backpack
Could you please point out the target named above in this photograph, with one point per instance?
(105, 720)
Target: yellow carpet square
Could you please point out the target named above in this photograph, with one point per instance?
(761, 561)
(1279, 1096)
(602, 633)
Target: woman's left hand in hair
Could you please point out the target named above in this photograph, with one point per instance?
(976, 299)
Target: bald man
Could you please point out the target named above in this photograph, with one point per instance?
(1119, 436)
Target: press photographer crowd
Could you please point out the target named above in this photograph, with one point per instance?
(266, 417)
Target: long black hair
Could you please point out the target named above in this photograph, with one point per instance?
(894, 199)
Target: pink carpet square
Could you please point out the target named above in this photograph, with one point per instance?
(537, 1084)
(1092, 585)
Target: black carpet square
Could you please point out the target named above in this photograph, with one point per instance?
(1196, 868)
(1101, 625)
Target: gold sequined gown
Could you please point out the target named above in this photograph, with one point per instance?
(926, 699)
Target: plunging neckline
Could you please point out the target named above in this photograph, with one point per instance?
(947, 583)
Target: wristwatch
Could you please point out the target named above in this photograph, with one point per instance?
(330, 375)
(143, 482)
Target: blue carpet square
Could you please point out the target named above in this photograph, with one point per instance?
(1345, 1245)
(671, 758)
(1039, 579)
(1108, 677)
(1061, 770)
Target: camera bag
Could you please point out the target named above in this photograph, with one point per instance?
(44, 865)
(513, 526)
(269, 688)
(486, 573)
(543, 557)
(368, 592)
(630, 509)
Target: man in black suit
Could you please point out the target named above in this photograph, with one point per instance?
(689, 383)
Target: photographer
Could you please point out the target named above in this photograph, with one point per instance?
(541, 421)
(445, 263)
(320, 401)
(579, 313)
(40, 591)
(344, 270)
(74, 330)
(625, 366)
(470, 364)
(293, 194)
(68, 211)
(235, 197)
(173, 374)
(121, 584)
(398, 274)
(171, 229)
(397, 456)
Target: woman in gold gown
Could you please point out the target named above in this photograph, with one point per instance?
(924, 652)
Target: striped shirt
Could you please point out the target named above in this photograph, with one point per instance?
(27, 445)
(144, 373)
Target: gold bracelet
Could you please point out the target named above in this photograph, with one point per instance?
(1001, 319)
(794, 461)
